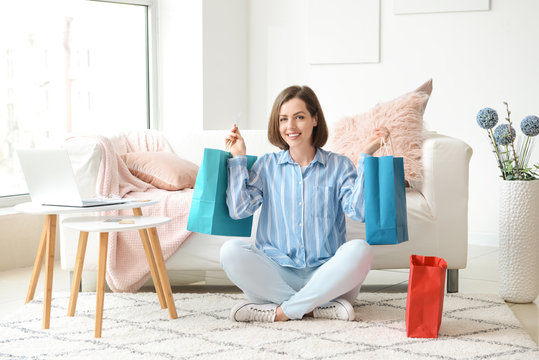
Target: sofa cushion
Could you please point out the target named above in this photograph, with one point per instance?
(402, 116)
(164, 170)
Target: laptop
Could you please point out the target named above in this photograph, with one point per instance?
(51, 180)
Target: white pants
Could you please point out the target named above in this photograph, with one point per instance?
(297, 291)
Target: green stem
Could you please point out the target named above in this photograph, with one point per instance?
(523, 157)
(515, 159)
(493, 141)
(507, 159)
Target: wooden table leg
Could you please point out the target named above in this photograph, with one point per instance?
(38, 261)
(49, 269)
(151, 262)
(81, 251)
(100, 291)
(163, 275)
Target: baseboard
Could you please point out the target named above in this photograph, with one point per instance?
(483, 239)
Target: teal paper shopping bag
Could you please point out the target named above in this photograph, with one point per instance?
(209, 212)
(385, 201)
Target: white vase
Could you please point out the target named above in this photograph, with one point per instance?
(519, 241)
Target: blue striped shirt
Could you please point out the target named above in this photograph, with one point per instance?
(302, 220)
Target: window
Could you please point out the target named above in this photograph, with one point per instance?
(68, 66)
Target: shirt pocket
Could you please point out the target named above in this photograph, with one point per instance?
(323, 203)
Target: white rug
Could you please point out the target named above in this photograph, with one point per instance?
(135, 327)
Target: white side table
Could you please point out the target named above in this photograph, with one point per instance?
(104, 225)
(48, 238)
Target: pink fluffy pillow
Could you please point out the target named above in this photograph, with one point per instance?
(164, 170)
(402, 116)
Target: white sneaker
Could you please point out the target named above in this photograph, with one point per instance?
(247, 311)
(339, 309)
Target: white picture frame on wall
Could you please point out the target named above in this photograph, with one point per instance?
(344, 31)
(403, 7)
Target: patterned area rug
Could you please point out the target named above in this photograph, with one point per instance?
(135, 327)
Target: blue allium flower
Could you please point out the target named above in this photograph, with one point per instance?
(502, 135)
(487, 118)
(530, 125)
(512, 156)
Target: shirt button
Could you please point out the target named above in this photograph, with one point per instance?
(300, 202)
(300, 224)
(300, 182)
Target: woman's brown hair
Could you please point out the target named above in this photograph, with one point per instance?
(305, 93)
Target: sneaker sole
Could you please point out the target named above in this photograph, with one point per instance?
(349, 309)
(235, 309)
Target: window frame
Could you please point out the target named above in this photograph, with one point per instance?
(151, 79)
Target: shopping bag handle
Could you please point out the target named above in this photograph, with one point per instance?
(383, 145)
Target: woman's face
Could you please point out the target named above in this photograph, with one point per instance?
(296, 124)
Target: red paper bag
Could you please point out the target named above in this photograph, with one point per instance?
(425, 300)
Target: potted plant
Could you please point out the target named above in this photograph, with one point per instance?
(519, 205)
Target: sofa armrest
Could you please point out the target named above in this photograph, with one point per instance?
(445, 188)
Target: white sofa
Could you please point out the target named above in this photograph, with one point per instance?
(437, 209)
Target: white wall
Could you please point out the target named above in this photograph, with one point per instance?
(20, 239)
(225, 63)
(179, 65)
(202, 62)
(476, 59)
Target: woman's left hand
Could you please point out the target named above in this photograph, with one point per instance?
(375, 140)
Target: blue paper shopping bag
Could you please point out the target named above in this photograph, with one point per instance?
(385, 201)
(209, 211)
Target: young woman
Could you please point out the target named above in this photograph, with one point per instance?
(301, 264)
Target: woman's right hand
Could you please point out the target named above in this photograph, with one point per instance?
(234, 142)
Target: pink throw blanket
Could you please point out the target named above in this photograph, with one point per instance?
(127, 268)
